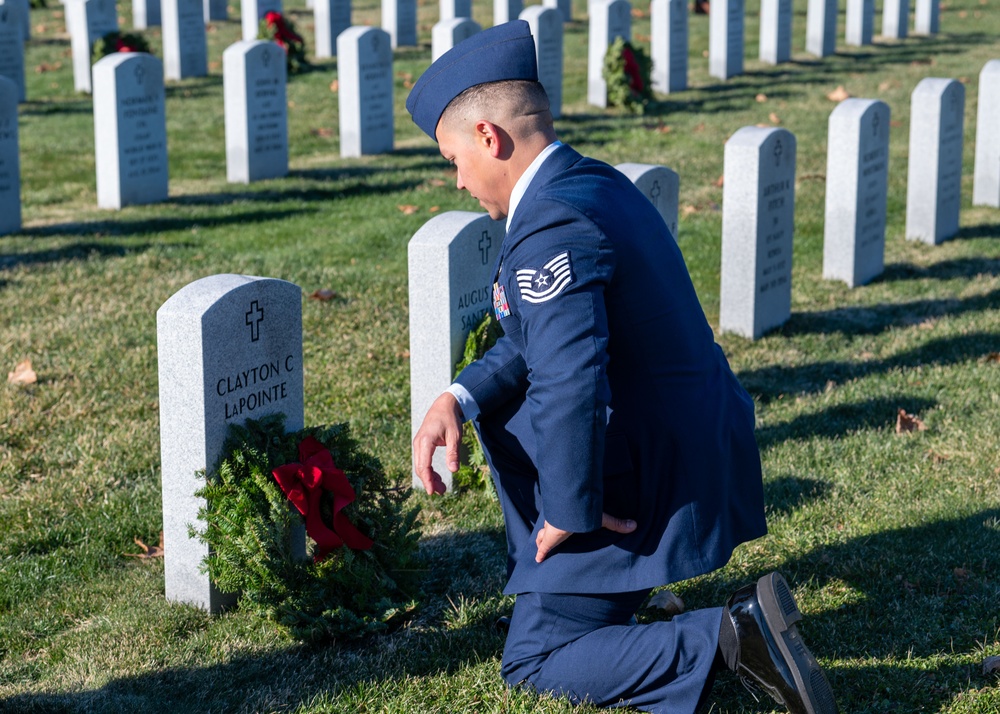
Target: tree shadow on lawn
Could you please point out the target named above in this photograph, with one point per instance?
(769, 383)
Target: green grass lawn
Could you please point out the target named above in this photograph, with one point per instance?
(891, 542)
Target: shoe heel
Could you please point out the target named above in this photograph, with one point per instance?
(776, 598)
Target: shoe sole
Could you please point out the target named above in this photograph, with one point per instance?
(781, 614)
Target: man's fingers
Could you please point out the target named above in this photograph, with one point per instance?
(618, 525)
(452, 440)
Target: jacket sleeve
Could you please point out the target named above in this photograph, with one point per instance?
(558, 278)
(499, 375)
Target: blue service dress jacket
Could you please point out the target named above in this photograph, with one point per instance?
(609, 384)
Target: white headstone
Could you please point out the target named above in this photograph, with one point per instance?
(399, 19)
(254, 76)
(87, 21)
(10, 172)
(145, 14)
(185, 45)
(986, 188)
(450, 263)
(506, 10)
(934, 174)
(12, 45)
(895, 18)
(725, 38)
(451, 9)
(609, 20)
(821, 27)
(364, 69)
(927, 20)
(669, 25)
(660, 185)
(332, 17)
(758, 206)
(229, 349)
(215, 10)
(565, 8)
(24, 11)
(860, 22)
(252, 12)
(130, 130)
(775, 31)
(857, 172)
(546, 25)
(448, 33)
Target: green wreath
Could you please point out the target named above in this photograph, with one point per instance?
(475, 472)
(277, 28)
(118, 42)
(627, 72)
(249, 523)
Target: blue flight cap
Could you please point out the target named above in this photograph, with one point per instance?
(500, 53)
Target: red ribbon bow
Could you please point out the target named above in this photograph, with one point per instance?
(632, 70)
(304, 484)
(283, 34)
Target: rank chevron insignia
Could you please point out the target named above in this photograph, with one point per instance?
(539, 285)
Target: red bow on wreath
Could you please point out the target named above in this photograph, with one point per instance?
(304, 484)
(283, 34)
(632, 70)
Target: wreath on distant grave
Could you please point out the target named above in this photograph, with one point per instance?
(361, 577)
(275, 27)
(118, 42)
(39, 4)
(475, 474)
(627, 72)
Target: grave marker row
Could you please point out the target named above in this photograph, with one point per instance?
(12, 45)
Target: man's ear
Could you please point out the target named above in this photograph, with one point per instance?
(488, 136)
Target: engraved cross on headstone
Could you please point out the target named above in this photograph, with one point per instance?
(254, 322)
(485, 249)
(655, 192)
(777, 152)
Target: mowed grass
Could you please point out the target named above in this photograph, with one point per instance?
(891, 542)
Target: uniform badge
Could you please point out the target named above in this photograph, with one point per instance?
(541, 284)
(500, 307)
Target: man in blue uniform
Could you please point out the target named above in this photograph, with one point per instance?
(620, 442)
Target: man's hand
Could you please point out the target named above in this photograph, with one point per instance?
(442, 426)
(550, 536)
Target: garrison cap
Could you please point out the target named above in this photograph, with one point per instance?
(500, 53)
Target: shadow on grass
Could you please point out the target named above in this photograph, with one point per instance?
(983, 231)
(786, 493)
(769, 383)
(945, 270)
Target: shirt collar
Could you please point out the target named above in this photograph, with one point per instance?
(522, 183)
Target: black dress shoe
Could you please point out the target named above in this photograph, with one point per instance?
(772, 655)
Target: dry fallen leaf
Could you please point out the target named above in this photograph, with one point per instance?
(323, 295)
(637, 12)
(434, 209)
(22, 374)
(906, 423)
(720, 181)
(334, 85)
(688, 209)
(992, 357)
(936, 457)
(437, 182)
(668, 602)
(322, 131)
(148, 551)
(761, 98)
(775, 119)
(839, 94)
(991, 665)
(699, 127)
(961, 573)
(408, 209)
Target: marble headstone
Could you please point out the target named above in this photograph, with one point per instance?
(986, 186)
(451, 9)
(565, 8)
(24, 12)
(450, 264)
(252, 12)
(860, 22)
(669, 25)
(254, 76)
(145, 14)
(660, 185)
(364, 69)
(609, 20)
(229, 348)
(130, 130)
(857, 173)
(775, 31)
(399, 19)
(88, 21)
(895, 18)
(12, 46)
(758, 207)
(185, 44)
(332, 17)
(448, 33)
(934, 174)
(506, 10)
(215, 10)
(927, 17)
(725, 38)
(547, 28)
(10, 172)
(821, 27)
